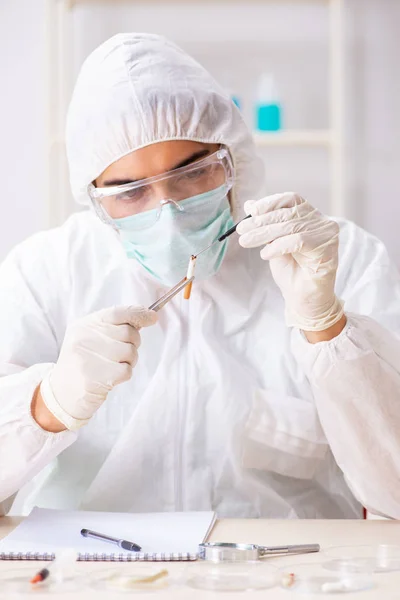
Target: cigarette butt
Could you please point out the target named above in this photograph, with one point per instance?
(37, 578)
(136, 582)
(187, 291)
(190, 272)
(288, 580)
(152, 578)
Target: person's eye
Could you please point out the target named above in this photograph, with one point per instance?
(195, 175)
(131, 195)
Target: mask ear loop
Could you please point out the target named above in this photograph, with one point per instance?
(230, 177)
(224, 154)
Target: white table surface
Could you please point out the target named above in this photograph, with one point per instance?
(264, 532)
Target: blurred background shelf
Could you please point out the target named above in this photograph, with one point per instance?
(294, 138)
(302, 138)
(72, 3)
(334, 62)
(300, 41)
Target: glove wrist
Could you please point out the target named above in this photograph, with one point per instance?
(56, 409)
(319, 322)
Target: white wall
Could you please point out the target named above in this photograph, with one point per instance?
(374, 117)
(236, 42)
(22, 120)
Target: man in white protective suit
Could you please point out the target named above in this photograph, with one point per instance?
(273, 392)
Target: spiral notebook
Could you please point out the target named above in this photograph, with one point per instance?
(162, 536)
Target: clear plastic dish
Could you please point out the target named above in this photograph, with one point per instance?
(312, 578)
(230, 577)
(132, 578)
(363, 559)
(15, 580)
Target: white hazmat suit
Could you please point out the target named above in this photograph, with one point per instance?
(228, 408)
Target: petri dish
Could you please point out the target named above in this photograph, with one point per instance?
(132, 578)
(381, 558)
(313, 578)
(17, 581)
(230, 576)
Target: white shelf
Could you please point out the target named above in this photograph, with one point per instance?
(294, 137)
(318, 137)
(60, 77)
(72, 3)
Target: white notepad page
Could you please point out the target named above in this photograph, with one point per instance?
(47, 530)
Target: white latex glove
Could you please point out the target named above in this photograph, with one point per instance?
(99, 352)
(302, 247)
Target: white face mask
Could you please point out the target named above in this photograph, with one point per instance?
(165, 248)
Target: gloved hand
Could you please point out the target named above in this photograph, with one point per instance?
(99, 352)
(302, 247)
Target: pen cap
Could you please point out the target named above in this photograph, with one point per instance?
(132, 547)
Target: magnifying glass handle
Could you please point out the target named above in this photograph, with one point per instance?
(295, 549)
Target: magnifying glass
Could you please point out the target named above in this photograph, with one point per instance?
(226, 552)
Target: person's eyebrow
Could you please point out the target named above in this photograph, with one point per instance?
(184, 163)
(191, 159)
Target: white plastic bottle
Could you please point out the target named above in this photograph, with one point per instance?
(268, 104)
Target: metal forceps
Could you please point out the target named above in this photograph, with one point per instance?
(158, 304)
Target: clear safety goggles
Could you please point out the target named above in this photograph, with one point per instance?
(152, 194)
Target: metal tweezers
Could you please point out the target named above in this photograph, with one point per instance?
(170, 294)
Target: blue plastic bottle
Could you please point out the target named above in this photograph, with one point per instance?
(268, 106)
